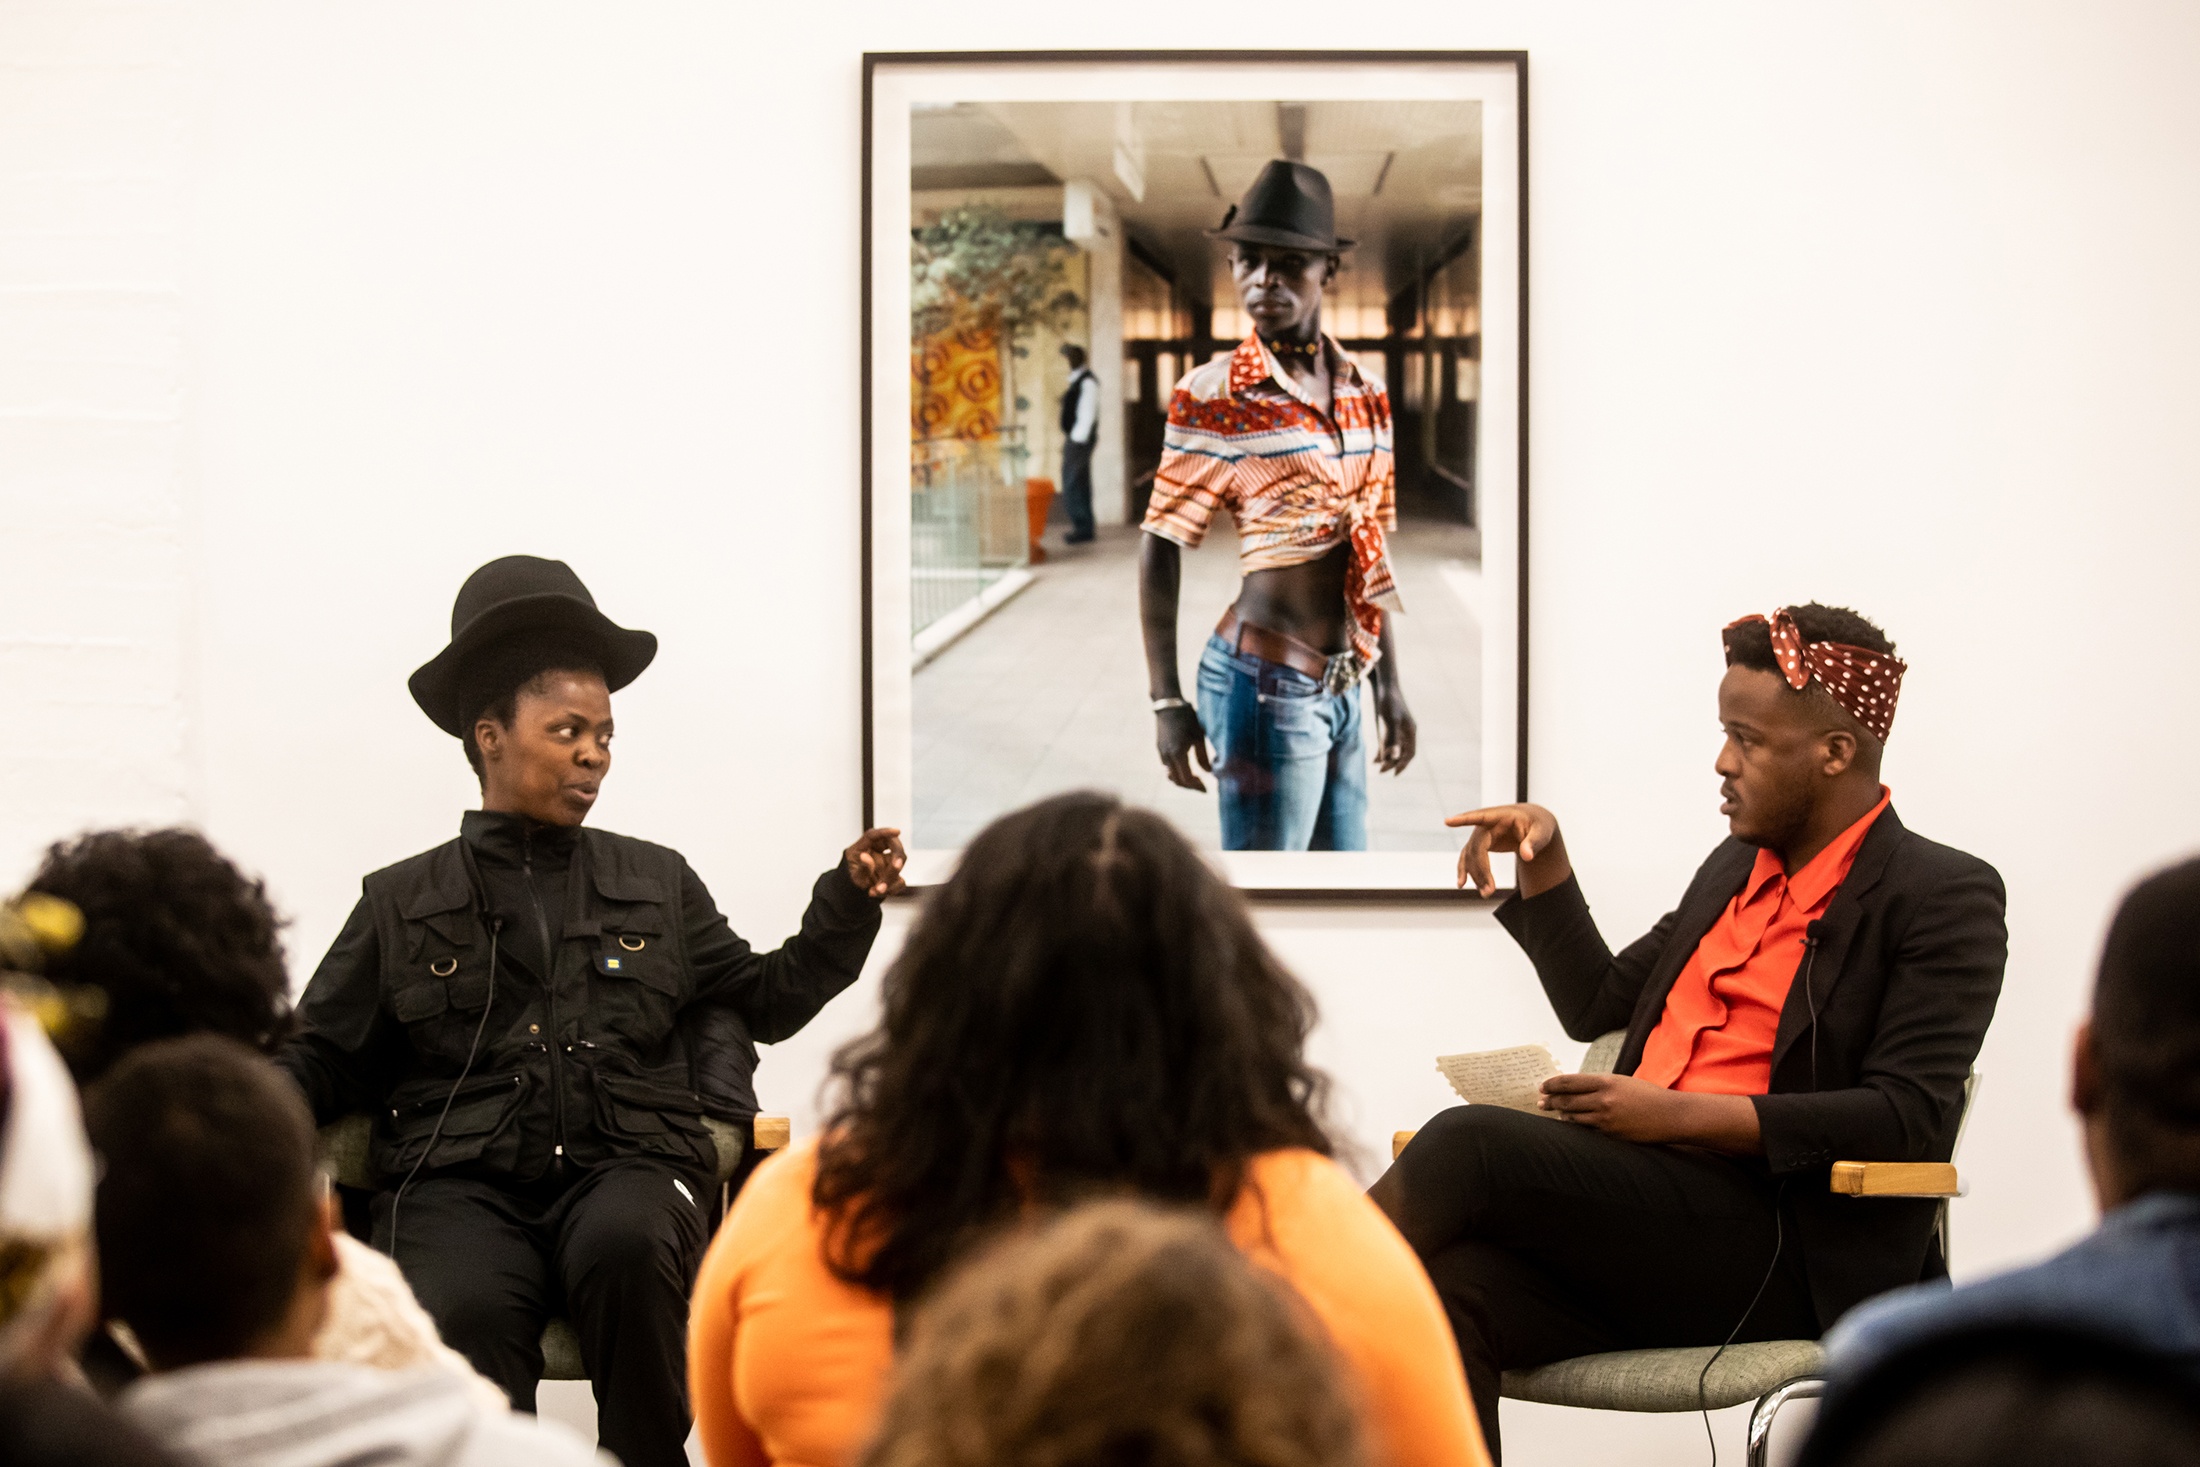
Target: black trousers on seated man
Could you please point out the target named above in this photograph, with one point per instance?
(614, 1252)
(1547, 1240)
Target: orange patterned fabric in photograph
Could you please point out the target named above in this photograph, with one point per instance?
(956, 385)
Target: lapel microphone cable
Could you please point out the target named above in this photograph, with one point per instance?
(495, 925)
(1812, 935)
(1779, 1242)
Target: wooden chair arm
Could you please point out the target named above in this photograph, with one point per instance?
(1398, 1140)
(773, 1133)
(1896, 1179)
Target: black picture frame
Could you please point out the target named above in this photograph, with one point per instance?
(1517, 60)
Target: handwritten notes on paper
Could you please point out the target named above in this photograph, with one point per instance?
(1512, 1077)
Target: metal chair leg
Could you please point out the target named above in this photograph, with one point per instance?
(1803, 1388)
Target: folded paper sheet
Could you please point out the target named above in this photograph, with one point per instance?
(1509, 1077)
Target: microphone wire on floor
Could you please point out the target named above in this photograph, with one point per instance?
(1779, 1241)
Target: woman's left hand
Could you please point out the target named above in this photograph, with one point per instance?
(874, 862)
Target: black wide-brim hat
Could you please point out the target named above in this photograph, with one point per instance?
(1288, 207)
(528, 602)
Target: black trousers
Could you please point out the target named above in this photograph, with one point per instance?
(1077, 488)
(1547, 1240)
(615, 1251)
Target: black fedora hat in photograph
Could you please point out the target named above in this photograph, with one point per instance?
(1289, 207)
(523, 599)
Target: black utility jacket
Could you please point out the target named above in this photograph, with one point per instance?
(1905, 978)
(646, 1022)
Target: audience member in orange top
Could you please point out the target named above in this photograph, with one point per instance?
(1817, 996)
(1082, 1011)
(1123, 1333)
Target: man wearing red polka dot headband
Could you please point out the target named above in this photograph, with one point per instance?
(1818, 995)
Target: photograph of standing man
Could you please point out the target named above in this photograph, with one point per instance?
(1288, 436)
(1080, 431)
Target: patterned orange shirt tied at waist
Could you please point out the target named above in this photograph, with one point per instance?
(1723, 1012)
(1244, 436)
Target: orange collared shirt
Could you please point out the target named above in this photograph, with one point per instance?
(1724, 1010)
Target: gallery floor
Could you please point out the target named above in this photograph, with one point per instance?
(1049, 693)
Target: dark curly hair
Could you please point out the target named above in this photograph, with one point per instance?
(1750, 644)
(179, 939)
(1119, 1334)
(1083, 1007)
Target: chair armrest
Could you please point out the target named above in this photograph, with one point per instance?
(729, 1145)
(1398, 1140)
(773, 1133)
(1896, 1179)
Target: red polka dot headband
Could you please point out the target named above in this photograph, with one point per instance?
(1864, 682)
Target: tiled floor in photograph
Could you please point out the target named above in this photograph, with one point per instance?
(1049, 693)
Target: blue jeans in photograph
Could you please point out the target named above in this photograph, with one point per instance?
(1288, 760)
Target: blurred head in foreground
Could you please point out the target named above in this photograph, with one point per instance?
(2012, 1396)
(214, 1233)
(1121, 1335)
(175, 936)
(1083, 1008)
(2136, 1075)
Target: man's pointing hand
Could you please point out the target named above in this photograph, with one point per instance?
(1529, 830)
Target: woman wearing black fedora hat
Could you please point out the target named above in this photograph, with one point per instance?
(540, 1017)
(1287, 435)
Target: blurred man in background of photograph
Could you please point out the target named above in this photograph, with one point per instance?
(1080, 434)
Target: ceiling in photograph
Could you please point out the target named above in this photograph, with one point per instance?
(1407, 175)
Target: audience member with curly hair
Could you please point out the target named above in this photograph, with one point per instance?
(180, 941)
(1121, 1333)
(1084, 1010)
(177, 938)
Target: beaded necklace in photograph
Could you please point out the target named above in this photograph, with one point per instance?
(1311, 351)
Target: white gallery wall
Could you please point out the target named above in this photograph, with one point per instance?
(307, 309)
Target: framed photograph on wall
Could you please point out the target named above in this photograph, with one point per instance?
(1195, 435)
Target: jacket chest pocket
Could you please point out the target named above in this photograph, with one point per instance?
(638, 985)
(439, 991)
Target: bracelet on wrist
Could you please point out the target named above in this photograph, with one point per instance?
(1163, 705)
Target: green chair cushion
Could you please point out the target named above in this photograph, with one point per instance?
(1603, 1053)
(1665, 1380)
(561, 1352)
(344, 1151)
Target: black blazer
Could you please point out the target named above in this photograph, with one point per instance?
(1904, 979)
